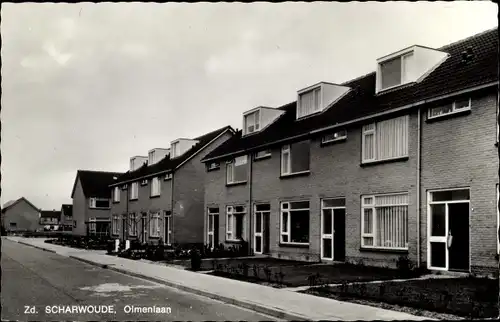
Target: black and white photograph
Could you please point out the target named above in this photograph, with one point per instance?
(258, 161)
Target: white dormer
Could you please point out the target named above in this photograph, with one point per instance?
(137, 162)
(319, 97)
(407, 66)
(180, 146)
(258, 118)
(155, 155)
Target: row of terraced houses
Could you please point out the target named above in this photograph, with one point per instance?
(400, 162)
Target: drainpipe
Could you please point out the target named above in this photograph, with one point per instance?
(419, 133)
(250, 236)
(126, 212)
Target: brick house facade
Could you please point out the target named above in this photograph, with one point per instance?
(178, 208)
(359, 207)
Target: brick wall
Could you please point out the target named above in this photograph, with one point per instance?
(23, 215)
(460, 152)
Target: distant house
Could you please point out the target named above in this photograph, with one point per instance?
(50, 219)
(20, 215)
(161, 197)
(67, 217)
(91, 202)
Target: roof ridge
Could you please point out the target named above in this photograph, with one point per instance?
(100, 171)
(211, 132)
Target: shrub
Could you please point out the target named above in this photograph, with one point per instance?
(195, 260)
(404, 265)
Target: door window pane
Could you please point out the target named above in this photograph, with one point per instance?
(327, 221)
(327, 248)
(258, 244)
(340, 202)
(438, 255)
(258, 223)
(451, 195)
(368, 221)
(438, 220)
(299, 228)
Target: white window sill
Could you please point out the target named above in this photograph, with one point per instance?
(285, 175)
(235, 183)
(133, 199)
(369, 162)
(154, 196)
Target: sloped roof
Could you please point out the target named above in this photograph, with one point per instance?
(11, 203)
(95, 183)
(167, 164)
(50, 214)
(67, 210)
(362, 101)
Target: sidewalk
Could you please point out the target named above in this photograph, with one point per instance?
(276, 302)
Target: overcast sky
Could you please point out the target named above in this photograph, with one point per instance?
(87, 86)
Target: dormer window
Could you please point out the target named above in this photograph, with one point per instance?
(175, 149)
(151, 157)
(309, 102)
(252, 122)
(395, 72)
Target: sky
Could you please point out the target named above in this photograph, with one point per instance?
(87, 86)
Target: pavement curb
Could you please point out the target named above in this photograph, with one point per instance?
(44, 249)
(244, 304)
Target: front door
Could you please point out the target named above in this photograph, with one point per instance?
(333, 229)
(261, 228)
(168, 228)
(448, 244)
(213, 227)
(124, 227)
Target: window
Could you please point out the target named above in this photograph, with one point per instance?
(294, 225)
(124, 187)
(252, 122)
(132, 224)
(309, 102)
(451, 108)
(168, 176)
(13, 225)
(236, 170)
(154, 225)
(92, 225)
(114, 225)
(168, 227)
(144, 182)
(395, 71)
(116, 194)
(213, 166)
(235, 222)
(385, 140)
(151, 157)
(155, 187)
(262, 154)
(335, 136)
(295, 158)
(99, 203)
(134, 191)
(213, 219)
(175, 149)
(384, 221)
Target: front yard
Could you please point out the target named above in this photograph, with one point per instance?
(466, 297)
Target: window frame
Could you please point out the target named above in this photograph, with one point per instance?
(287, 210)
(152, 192)
(133, 196)
(403, 76)
(132, 224)
(116, 196)
(168, 232)
(287, 149)
(300, 114)
(93, 203)
(454, 110)
(256, 121)
(373, 206)
(267, 154)
(154, 219)
(231, 167)
(168, 176)
(173, 149)
(233, 229)
(115, 222)
(373, 131)
(212, 166)
(211, 228)
(92, 225)
(324, 139)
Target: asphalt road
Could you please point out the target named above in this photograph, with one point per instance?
(34, 280)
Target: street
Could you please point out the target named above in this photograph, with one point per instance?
(34, 281)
